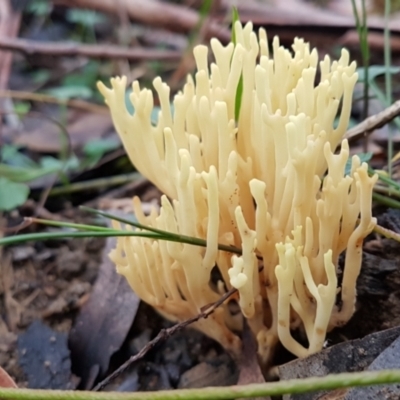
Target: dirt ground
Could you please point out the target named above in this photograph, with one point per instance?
(50, 282)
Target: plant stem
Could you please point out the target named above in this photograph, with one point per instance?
(27, 237)
(387, 191)
(99, 183)
(163, 235)
(382, 177)
(62, 224)
(362, 30)
(292, 386)
(388, 80)
(386, 201)
(387, 233)
(100, 231)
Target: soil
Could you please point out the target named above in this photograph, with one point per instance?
(50, 281)
(47, 281)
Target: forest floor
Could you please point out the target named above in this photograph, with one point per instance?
(67, 320)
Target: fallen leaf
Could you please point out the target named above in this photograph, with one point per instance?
(388, 359)
(46, 138)
(103, 323)
(5, 380)
(351, 356)
(44, 357)
(249, 368)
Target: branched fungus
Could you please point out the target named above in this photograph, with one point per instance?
(269, 183)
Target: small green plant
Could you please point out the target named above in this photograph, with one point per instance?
(17, 170)
(368, 75)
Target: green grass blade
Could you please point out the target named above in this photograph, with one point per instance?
(388, 79)
(84, 230)
(163, 235)
(63, 224)
(29, 237)
(252, 390)
(235, 18)
(239, 89)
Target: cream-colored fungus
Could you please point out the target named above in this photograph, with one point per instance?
(269, 183)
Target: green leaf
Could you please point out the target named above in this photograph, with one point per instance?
(364, 157)
(40, 76)
(39, 8)
(21, 174)
(56, 165)
(98, 147)
(86, 76)
(12, 194)
(11, 155)
(22, 107)
(84, 17)
(128, 103)
(154, 113)
(239, 89)
(238, 98)
(68, 92)
(374, 71)
(235, 17)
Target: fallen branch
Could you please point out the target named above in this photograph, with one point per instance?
(373, 122)
(45, 98)
(59, 49)
(155, 13)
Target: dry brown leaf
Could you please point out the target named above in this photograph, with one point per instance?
(5, 380)
(103, 323)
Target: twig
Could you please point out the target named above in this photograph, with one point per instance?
(9, 26)
(99, 183)
(387, 233)
(155, 13)
(374, 122)
(45, 98)
(163, 335)
(58, 49)
(10, 20)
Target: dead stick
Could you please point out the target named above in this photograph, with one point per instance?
(31, 47)
(373, 122)
(163, 335)
(45, 98)
(161, 14)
